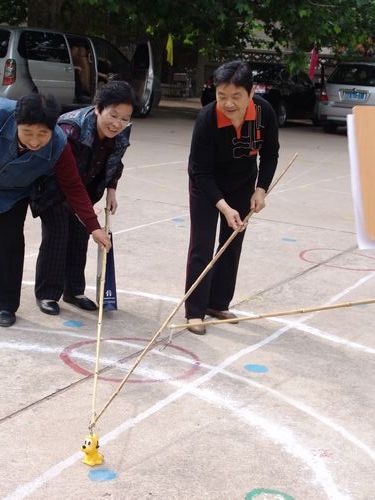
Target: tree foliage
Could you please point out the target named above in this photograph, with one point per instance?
(13, 11)
(211, 26)
(341, 25)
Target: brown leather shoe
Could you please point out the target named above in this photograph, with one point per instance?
(221, 315)
(196, 326)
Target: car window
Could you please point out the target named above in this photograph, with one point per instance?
(351, 74)
(4, 41)
(267, 73)
(110, 60)
(43, 46)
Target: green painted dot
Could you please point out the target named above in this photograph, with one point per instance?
(276, 495)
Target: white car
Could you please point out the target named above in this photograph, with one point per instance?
(350, 84)
(72, 67)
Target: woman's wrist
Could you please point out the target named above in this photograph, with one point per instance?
(222, 206)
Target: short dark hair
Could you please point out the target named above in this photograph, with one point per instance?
(35, 109)
(236, 72)
(114, 92)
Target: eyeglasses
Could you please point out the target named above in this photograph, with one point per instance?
(123, 121)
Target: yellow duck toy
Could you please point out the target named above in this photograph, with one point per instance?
(90, 449)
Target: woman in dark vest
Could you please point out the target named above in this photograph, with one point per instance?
(99, 136)
(33, 147)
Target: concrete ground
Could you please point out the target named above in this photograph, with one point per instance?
(282, 408)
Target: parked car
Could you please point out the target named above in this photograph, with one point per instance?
(350, 84)
(71, 67)
(291, 96)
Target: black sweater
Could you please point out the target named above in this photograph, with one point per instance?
(220, 162)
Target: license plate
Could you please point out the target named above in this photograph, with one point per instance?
(354, 95)
(260, 88)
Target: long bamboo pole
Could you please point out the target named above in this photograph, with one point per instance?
(275, 314)
(103, 266)
(187, 294)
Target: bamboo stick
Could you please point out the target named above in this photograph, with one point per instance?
(187, 294)
(275, 314)
(103, 266)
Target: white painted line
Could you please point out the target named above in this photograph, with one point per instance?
(151, 373)
(281, 435)
(277, 434)
(134, 293)
(24, 347)
(321, 473)
(150, 224)
(152, 296)
(173, 187)
(324, 335)
(291, 179)
(298, 325)
(134, 228)
(150, 165)
(307, 410)
(61, 332)
(294, 188)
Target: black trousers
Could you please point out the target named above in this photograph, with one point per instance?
(12, 253)
(61, 261)
(216, 290)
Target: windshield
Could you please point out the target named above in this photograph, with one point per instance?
(353, 74)
(268, 72)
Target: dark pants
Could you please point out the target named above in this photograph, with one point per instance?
(216, 290)
(12, 252)
(62, 254)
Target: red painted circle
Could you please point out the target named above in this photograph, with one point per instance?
(304, 256)
(67, 352)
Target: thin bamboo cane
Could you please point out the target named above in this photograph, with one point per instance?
(187, 294)
(275, 314)
(103, 266)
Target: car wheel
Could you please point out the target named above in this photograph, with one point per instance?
(329, 127)
(145, 110)
(315, 121)
(282, 114)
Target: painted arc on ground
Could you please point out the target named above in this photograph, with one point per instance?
(308, 256)
(67, 356)
(264, 493)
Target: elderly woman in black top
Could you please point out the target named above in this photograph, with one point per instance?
(225, 179)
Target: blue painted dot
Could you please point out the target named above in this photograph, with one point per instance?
(102, 475)
(289, 240)
(256, 368)
(73, 324)
(179, 221)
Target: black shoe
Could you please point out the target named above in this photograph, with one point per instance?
(80, 301)
(48, 306)
(196, 327)
(221, 314)
(7, 318)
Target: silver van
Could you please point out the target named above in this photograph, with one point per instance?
(350, 84)
(71, 67)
